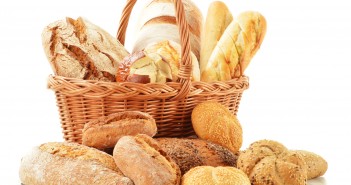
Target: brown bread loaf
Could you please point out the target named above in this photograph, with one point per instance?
(81, 49)
(69, 163)
(104, 132)
(189, 153)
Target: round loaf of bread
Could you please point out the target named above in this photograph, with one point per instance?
(214, 122)
(104, 132)
(141, 159)
(215, 176)
(269, 162)
(69, 163)
(189, 153)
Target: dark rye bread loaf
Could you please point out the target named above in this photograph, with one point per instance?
(189, 153)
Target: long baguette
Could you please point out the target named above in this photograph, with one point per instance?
(217, 20)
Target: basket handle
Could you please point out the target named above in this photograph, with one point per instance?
(185, 69)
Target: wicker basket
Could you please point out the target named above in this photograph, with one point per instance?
(171, 104)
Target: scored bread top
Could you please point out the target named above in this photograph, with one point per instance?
(81, 152)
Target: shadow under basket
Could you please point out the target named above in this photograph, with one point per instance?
(80, 101)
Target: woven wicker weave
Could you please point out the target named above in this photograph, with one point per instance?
(171, 104)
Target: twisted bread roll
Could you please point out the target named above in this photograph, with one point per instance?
(157, 22)
(80, 49)
(239, 42)
(269, 162)
(215, 176)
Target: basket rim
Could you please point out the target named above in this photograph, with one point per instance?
(100, 89)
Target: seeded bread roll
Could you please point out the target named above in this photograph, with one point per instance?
(69, 163)
(215, 176)
(316, 165)
(214, 122)
(80, 49)
(269, 162)
(189, 153)
(104, 132)
(142, 160)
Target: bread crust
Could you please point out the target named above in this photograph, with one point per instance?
(189, 153)
(80, 49)
(214, 122)
(215, 175)
(142, 160)
(69, 163)
(105, 131)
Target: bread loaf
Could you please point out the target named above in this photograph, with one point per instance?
(80, 49)
(189, 153)
(236, 47)
(269, 162)
(171, 53)
(142, 160)
(69, 163)
(157, 22)
(214, 122)
(217, 20)
(215, 176)
(107, 130)
(316, 165)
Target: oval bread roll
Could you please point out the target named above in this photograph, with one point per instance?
(214, 122)
(215, 176)
(142, 160)
(316, 165)
(104, 132)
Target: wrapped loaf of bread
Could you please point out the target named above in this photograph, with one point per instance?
(80, 49)
(157, 22)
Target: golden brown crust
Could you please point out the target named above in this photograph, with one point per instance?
(69, 163)
(316, 165)
(214, 122)
(141, 159)
(104, 132)
(215, 175)
(189, 153)
(80, 49)
(269, 162)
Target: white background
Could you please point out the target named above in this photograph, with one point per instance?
(299, 80)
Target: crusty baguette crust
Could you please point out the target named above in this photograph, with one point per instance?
(217, 20)
(63, 163)
(104, 132)
(80, 49)
(189, 153)
(142, 160)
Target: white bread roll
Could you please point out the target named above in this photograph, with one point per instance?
(217, 20)
(171, 52)
(157, 22)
